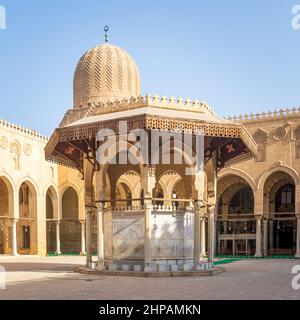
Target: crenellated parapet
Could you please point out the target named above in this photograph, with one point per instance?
(19, 129)
(270, 115)
(155, 101)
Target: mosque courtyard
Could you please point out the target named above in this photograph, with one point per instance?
(32, 277)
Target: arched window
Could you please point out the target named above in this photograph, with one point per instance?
(286, 195)
(70, 204)
(242, 201)
(285, 198)
(21, 201)
(24, 194)
(49, 207)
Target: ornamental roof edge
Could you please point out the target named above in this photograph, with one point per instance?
(263, 116)
(157, 101)
(20, 129)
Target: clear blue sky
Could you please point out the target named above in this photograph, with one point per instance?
(238, 56)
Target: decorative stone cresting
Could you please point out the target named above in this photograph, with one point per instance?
(171, 103)
(25, 131)
(270, 115)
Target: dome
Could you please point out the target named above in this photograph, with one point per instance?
(105, 73)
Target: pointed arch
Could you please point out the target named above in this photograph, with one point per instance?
(280, 167)
(239, 173)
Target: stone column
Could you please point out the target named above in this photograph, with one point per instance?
(147, 241)
(216, 236)
(100, 191)
(271, 231)
(277, 235)
(83, 248)
(200, 188)
(297, 255)
(225, 241)
(211, 236)
(148, 183)
(57, 225)
(202, 237)
(14, 238)
(100, 237)
(233, 245)
(89, 202)
(197, 237)
(258, 252)
(265, 237)
(88, 214)
(6, 245)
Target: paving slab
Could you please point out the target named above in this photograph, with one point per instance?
(53, 278)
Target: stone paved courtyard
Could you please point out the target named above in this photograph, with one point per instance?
(52, 278)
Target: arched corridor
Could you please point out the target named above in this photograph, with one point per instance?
(52, 220)
(178, 192)
(169, 187)
(272, 229)
(70, 228)
(6, 216)
(124, 192)
(236, 222)
(279, 210)
(158, 193)
(27, 223)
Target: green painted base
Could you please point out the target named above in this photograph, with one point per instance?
(225, 261)
(54, 254)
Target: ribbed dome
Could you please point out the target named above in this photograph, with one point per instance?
(105, 73)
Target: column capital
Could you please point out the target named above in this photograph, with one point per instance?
(199, 204)
(100, 205)
(148, 180)
(149, 170)
(148, 205)
(212, 208)
(90, 206)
